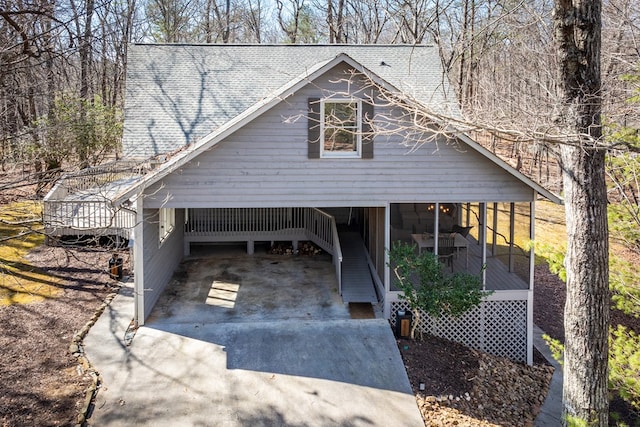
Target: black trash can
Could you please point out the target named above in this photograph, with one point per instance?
(115, 267)
(403, 323)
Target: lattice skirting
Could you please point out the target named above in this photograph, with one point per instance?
(496, 327)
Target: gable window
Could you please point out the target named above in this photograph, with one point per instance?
(340, 128)
(167, 222)
(341, 133)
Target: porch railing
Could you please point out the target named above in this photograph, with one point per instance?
(80, 202)
(78, 218)
(95, 177)
(234, 221)
(220, 224)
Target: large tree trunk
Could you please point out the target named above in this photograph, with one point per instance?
(577, 31)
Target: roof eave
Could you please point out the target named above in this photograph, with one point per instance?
(508, 168)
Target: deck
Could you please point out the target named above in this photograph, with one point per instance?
(90, 211)
(499, 278)
(81, 203)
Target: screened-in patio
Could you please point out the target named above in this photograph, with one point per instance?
(504, 252)
(491, 240)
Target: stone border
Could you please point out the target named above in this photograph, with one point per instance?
(76, 349)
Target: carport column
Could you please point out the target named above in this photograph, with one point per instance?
(138, 269)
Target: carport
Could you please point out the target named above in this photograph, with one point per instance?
(239, 339)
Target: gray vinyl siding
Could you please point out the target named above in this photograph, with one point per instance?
(266, 164)
(160, 261)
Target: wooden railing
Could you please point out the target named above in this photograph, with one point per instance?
(95, 177)
(229, 221)
(76, 218)
(325, 231)
(80, 203)
(268, 223)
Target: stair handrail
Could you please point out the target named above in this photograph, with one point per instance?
(334, 241)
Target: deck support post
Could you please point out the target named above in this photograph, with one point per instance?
(250, 247)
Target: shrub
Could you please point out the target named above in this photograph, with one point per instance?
(426, 287)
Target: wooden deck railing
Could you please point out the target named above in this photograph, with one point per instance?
(327, 238)
(230, 221)
(95, 177)
(267, 223)
(76, 218)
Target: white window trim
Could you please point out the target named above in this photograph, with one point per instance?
(342, 155)
(166, 223)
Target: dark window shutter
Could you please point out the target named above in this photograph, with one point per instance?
(367, 130)
(313, 144)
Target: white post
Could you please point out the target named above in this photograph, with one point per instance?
(532, 256)
(436, 228)
(494, 234)
(512, 233)
(387, 272)
(483, 243)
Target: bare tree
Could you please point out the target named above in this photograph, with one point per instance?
(171, 19)
(335, 21)
(289, 17)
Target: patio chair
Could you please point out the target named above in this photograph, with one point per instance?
(446, 249)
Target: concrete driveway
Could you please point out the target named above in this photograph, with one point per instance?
(240, 340)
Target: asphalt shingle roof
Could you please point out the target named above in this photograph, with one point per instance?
(176, 94)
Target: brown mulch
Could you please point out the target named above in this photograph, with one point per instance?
(457, 386)
(41, 382)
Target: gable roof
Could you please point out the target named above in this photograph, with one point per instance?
(235, 123)
(405, 77)
(177, 94)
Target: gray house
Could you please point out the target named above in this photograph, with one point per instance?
(329, 144)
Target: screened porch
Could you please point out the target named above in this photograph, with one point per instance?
(504, 252)
(492, 240)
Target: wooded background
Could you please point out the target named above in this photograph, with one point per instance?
(63, 62)
(540, 80)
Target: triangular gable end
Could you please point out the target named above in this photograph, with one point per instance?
(190, 152)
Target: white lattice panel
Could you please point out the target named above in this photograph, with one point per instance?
(497, 327)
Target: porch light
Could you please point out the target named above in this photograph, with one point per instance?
(421, 386)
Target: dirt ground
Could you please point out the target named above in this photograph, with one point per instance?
(41, 383)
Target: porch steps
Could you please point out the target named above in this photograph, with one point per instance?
(357, 284)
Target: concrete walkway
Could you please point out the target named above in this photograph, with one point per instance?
(551, 412)
(269, 373)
